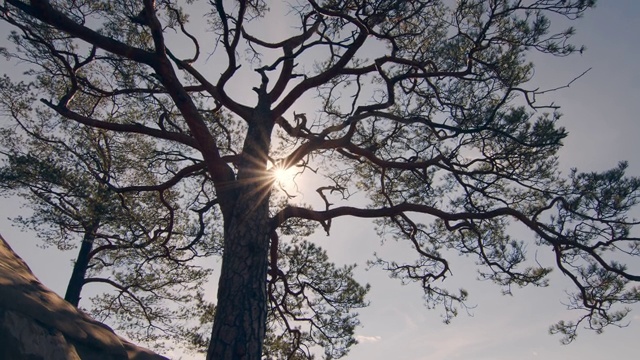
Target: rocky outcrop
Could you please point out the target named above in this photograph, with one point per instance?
(37, 324)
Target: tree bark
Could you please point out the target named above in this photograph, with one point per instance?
(80, 267)
(241, 312)
(239, 324)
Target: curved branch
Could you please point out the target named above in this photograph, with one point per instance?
(540, 229)
(309, 214)
(128, 128)
(184, 172)
(43, 11)
(288, 60)
(229, 46)
(328, 74)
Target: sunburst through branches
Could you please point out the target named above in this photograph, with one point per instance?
(284, 177)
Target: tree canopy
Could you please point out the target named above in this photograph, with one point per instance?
(128, 241)
(416, 114)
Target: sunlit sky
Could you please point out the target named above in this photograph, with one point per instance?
(601, 113)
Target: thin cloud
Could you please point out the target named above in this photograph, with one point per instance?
(368, 339)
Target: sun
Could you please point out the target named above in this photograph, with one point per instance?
(284, 176)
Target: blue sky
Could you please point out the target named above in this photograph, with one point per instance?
(601, 113)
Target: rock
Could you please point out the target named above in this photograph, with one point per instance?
(37, 324)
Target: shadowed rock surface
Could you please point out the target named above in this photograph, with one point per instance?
(36, 323)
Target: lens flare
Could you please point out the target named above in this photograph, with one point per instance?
(283, 176)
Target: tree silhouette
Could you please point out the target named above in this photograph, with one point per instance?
(421, 107)
(131, 242)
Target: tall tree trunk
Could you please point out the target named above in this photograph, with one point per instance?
(241, 312)
(82, 263)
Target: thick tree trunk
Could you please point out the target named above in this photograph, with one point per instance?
(80, 267)
(241, 312)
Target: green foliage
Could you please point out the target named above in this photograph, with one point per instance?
(135, 236)
(311, 306)
(422, 110)
(311, 303)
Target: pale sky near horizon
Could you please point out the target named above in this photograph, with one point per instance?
(601, 113)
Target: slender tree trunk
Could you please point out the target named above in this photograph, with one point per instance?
(241, 312)
(80, 267)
